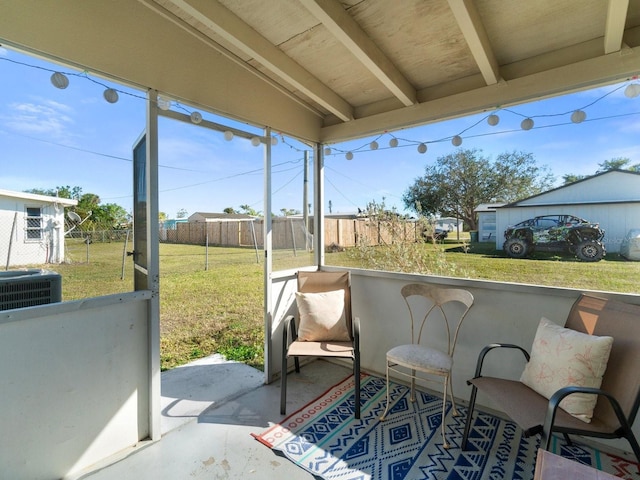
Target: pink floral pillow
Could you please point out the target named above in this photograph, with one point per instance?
(561, 357)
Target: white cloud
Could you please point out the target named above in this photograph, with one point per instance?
(42, 117)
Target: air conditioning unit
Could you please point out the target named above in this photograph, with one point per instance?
(28, 288)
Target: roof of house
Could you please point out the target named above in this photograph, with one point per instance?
(601, 189)
(67, 202)
(221, 217)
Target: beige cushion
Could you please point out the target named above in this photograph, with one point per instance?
(322, 316)
(561, 357)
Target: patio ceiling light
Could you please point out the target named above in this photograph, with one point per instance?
(578, 116)
(527, 124)
(632, 90)
(110, 95)
(59, 80)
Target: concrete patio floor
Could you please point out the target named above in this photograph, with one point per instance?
(209, 410)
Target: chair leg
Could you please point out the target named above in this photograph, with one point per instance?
(634, 443)
(413, 386)
(386, 410)
(451, 396)
(443, 426)
(467, 425)
(356, 375)
(283, 385)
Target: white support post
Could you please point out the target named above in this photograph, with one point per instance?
(318, 205)
(268, 263)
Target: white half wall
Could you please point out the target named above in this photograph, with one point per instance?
(74, 385)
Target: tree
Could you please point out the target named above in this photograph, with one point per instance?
(572, 178)
(618, 163)
(248, 209)
(289, 211)
(182, 213)
(229, 211)
(457, 183)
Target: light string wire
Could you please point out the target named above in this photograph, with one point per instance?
(408, 142)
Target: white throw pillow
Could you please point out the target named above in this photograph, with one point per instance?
(561, 357)
(322, 316)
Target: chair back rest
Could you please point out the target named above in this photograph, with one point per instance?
(601, 316)
(318, 281)
(438, 297)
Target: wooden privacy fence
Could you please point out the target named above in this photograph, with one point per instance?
(290, 233)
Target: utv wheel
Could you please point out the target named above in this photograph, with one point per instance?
(516, 248)
(590, 251)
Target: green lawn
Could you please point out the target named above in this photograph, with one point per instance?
(221, 309)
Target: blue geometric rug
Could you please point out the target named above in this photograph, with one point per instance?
(324, 439)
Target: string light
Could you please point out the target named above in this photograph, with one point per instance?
(349, 156)
(527, 124)
(228, 135)
(255, 141)
(393, 143)
(493, 119)
(373, 145)
(456, 141)
(59, 80)
(578, 116)
(110, 95)
(163, 103)
(327, 151)
(422, 148)
(632, 90)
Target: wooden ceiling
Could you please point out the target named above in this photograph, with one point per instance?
(330, 70)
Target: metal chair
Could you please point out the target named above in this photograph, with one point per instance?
(618, 396)
(342, 347)
(407, 360)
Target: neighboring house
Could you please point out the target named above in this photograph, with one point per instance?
(450, 224)
(32, 228)
(611, 198)
(218, 217)
(486, 212)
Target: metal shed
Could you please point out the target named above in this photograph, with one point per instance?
(610, 198)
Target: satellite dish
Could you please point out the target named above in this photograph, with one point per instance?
(73, 216)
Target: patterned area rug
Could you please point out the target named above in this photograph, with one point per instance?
(324, 439)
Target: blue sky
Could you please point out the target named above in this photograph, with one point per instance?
(52, 137)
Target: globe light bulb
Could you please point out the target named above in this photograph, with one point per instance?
(422, 148)
(493, 119)
(632, 90)
(163, 103)
(456, 141)
(59, 80)
(274, 141)
(255, 141)
(393, 142)
(327, 151)
(578, 116)
(527, 124)
(228, 135)
(110, 95)
(373, 145)
(196, 117)
(349, 156)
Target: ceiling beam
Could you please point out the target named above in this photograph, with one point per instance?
(475, 34)
(341, 25)
(226, 24)
(614, 28)
(589, 73)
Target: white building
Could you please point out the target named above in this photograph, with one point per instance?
(611, 199)
(31, 228)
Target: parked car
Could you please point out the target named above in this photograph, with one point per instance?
(555, 233)
(437, 233)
